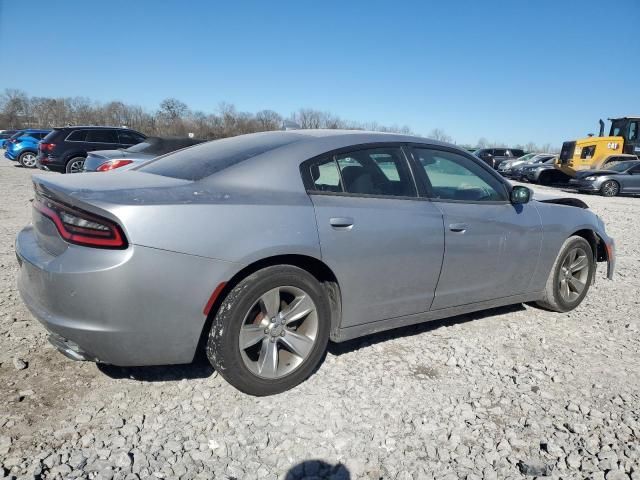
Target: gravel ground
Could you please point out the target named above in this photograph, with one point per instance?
(506, 393)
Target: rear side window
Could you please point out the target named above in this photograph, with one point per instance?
(129, 138)
(376, 171)
(326, 176)
(208, 158)
(77, 136)
(102, 136)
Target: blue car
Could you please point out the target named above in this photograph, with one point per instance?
(5, 135)
(23, 146)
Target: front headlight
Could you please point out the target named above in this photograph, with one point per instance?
(591, 179)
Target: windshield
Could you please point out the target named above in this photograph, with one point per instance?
(622, 166)
(617, 128)
(139, 147)
(526, 157)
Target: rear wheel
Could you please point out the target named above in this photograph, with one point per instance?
(610, 188)
(271, 330)
(27, 159)
(75, 165)
(570, 276)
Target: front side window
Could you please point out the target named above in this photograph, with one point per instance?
(102, 136)
(455, 177)
(376, 171)
(129, 138)
(633, 131)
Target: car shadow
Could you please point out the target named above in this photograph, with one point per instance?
(201, 368)
(317, 469)
(417, 329)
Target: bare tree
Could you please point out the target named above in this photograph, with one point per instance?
(439, 134)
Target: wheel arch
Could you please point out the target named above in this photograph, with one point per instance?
(314, 266)
(597, 243)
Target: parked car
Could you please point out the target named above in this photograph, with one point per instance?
(622, 177)
(544, 173)
(613, 159)
(495, 156)
(6, 135)
(507, 167)
(23, 146)
(262, 247)
(65, 149)
(151, 147)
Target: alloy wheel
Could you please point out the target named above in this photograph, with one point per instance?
(28, 160)
(610, 189)
(573, 275)
(76, 166)
(278, 332)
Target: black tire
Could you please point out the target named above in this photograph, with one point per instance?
(552, 299)
(27, 159)
(72, 163)
(223, 350)
(610, 188)
(544, 179)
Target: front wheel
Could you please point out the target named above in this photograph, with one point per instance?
(610, 188)
(570, 276)
(271, 330)
(27, 159)
(75, 165)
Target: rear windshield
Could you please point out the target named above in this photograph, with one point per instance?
(206, 159)
(51, 135)
(160, 146)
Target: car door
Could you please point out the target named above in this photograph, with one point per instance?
(383, 242)
(631, 181)
(101, 139)
(491, 246)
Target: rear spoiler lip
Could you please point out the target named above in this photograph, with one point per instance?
(46, 189)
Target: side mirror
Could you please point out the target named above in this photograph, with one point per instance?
(520, 195)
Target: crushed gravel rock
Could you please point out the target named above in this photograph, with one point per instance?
(514, 392)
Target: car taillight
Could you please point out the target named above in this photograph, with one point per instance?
(47, 147)
(79, 227)
(112, 165)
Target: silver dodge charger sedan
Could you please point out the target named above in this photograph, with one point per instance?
(261, 248)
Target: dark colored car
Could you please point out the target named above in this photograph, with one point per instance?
(495, 156)
(152, 147)
(544, 173)
(5, 135)
(65, 149)
(623, 177)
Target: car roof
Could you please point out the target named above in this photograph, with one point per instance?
(93, 127)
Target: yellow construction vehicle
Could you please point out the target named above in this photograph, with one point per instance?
(592, 152)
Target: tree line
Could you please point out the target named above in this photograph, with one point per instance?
(174, 118)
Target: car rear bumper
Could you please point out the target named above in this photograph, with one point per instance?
(139, 306)
(49, 163)
(8, 154)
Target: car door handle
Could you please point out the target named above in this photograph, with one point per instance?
(344, 223)
(458, 227)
